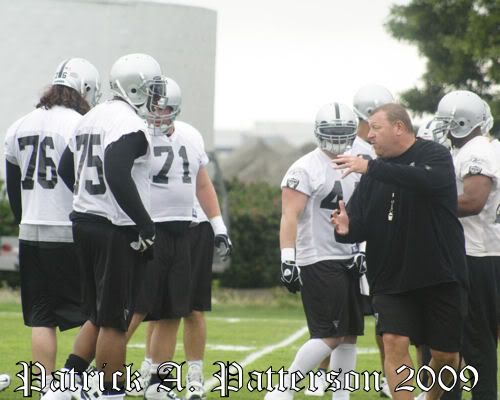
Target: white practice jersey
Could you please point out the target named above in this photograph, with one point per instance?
(360, 147)
(198, 213)
(35, 143)
(176, 162)
(482, 231)
(496, 145)
(314, 176)
(100, 127)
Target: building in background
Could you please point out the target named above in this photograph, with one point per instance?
(38, 34)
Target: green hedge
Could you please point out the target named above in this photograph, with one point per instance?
(7, 225)
(254, 215)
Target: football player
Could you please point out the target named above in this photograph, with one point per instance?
(50, 278)
(178, 284)
(107, 163)
(324, 271)
(367, 99)
(463, 117)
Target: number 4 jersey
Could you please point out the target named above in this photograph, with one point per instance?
(176, 161)
(314, 175)
(98, 129)
(35, 143)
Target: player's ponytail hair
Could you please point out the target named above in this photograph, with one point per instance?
(59, 95)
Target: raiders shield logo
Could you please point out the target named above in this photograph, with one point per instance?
(475, 170)
(292, 183)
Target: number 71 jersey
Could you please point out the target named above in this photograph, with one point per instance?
(176, 162)
(314, 175)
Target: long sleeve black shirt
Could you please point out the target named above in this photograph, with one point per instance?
(406, 210)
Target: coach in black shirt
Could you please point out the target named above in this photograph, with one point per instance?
(405, 207)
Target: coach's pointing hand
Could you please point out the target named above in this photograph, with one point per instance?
(340, 219)
(350, 164)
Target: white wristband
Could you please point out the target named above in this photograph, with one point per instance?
(287, 254)
(218, 225)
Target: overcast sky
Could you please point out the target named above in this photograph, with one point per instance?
(281, 60)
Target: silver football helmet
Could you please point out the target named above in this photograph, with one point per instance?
(488, 124)
(81, 75)
(368, 98)
(460, 112)
(164, 106)
(335, 127)
(137, 79)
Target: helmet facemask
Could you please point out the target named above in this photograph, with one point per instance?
(335, 137)
(159, 114)
(439, 131)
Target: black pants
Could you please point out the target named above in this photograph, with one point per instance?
(480, 336)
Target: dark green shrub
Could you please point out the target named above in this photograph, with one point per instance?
(254, 215)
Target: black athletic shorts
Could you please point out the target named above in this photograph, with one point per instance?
(332, 300)
(201, 238)
(111, 271)
(432, 315)
(496, 261)
(171, 268)
(50, 285)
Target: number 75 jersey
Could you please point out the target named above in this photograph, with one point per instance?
(102, 126)
(314, 175)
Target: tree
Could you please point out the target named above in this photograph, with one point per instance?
(460, 40)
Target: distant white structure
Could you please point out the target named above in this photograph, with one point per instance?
(294, 133)
(38, 34)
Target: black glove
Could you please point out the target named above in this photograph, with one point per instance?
(223, 245)
(358, 266)
(290, 276)
(145, 242)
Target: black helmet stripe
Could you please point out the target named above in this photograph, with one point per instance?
(59, 73)
(337, 111)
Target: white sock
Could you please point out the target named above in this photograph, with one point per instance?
(308, 358)
(153, 368)
(149, 360)
(198, 363)
(344, 358)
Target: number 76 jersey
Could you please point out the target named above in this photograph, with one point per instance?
(314, 175)
(35, 143)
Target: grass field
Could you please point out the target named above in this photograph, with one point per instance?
(249, 331)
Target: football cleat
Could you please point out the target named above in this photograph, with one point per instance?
(321, 386)
(385, 392)
(4, 381)
(277, 395)
(153, 392)
(54, 391)
(143, 380)
(194, 384)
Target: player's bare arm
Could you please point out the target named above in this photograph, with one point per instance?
(293, 204)
(477, 188)
(205, 192)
